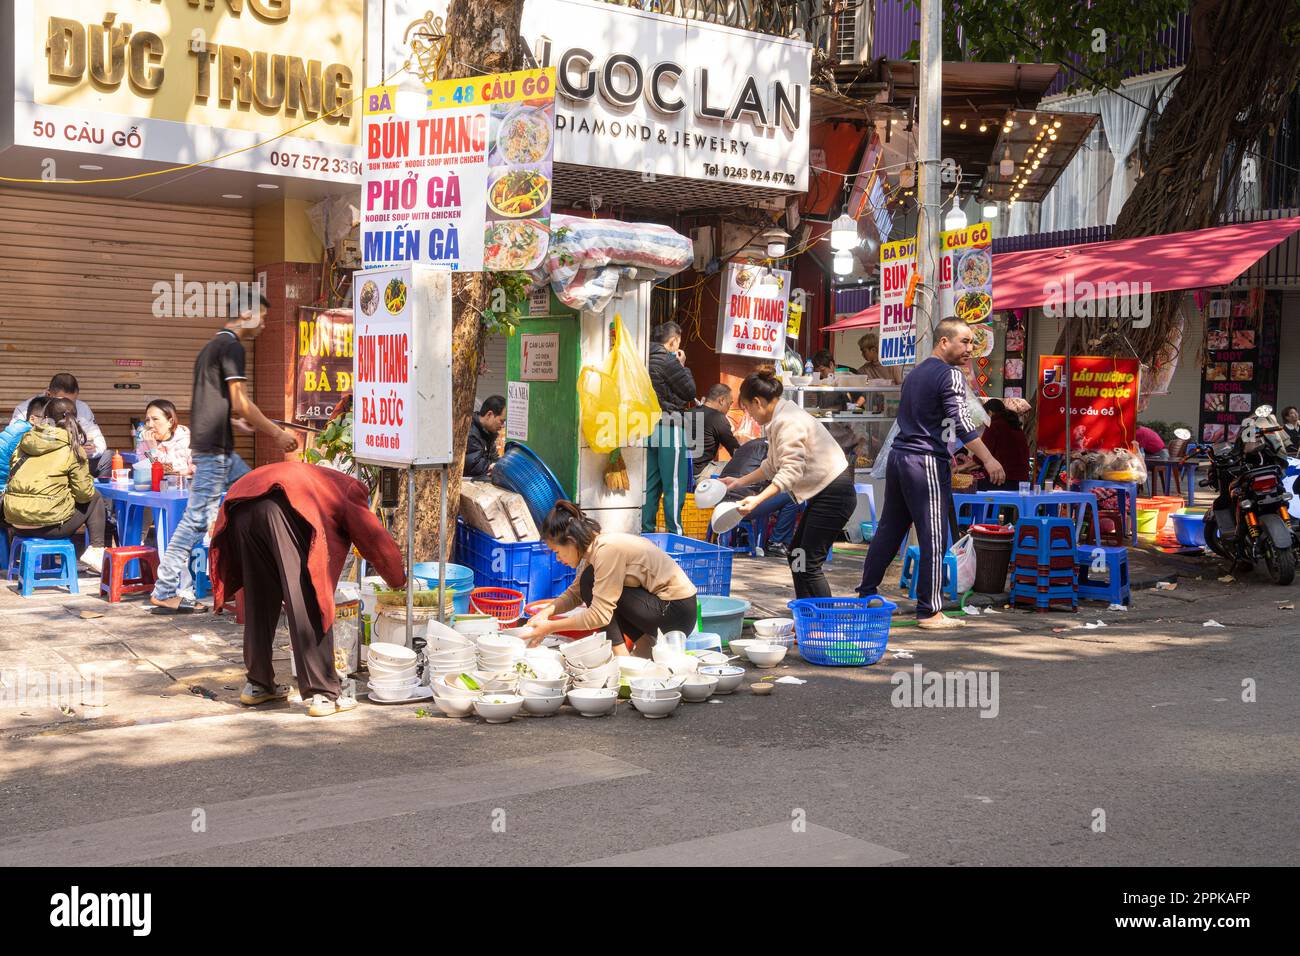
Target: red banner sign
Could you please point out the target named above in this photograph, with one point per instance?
(1103, 402)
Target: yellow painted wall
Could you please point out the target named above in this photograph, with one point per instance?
(282, 233)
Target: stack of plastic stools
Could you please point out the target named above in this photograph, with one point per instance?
(1043, 572)
(114, 580)
(1115, 589)
(34, 564)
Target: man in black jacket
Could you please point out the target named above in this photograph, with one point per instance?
(481, 446)
(667, 457)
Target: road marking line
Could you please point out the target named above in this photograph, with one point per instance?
(155, 835)
(774, 845)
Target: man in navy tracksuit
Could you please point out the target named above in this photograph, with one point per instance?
(918, 485)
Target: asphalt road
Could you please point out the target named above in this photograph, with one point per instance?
(1129, 744)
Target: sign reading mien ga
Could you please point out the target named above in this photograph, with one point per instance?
(111, 52)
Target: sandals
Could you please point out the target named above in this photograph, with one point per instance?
(186, 606)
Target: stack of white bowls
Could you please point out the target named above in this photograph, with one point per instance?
(453, 699)
(449, 653)
(656, 698)
(392, 672)
(590, 662)
(497, 652)
(475, 626)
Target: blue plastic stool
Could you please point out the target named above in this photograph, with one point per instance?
(1040, 537)
(912, 561)
(1115, 589)
(33, 555)
(199, 571)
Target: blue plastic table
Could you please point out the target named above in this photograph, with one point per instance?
(129, 506)
(984, 506)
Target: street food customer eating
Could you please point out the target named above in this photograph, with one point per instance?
(631, 588)
(282, 536)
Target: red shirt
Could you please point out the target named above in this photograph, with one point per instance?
(337, 508)
(1149, 440)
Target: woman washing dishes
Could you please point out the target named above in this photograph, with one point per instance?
(803, 464)
(630, 586)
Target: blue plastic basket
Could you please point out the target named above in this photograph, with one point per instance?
(842, 632)
(707, 565)
(521, 471)
(527, 566)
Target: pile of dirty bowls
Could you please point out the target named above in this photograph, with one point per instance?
(475, 626)
(775, 630)
(452, 698)
(393, 674)
(499, 652)
(763, 654)
(653, 697)
(729, 676)
(590, 663)
(498, 708)
(593, 701)
(447, 652)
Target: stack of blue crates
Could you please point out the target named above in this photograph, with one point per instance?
(1043, 574)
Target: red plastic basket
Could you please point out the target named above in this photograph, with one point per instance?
(536, 606)
(504, 604)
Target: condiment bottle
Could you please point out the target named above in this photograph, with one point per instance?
(118, 463)
(156, 476)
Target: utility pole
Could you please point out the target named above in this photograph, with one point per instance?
(929, 131)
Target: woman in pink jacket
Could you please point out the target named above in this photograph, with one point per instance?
(165, 439)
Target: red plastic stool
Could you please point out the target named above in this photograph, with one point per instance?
(113, 578)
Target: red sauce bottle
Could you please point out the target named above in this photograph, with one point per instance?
(156, 476)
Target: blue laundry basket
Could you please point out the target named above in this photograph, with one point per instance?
(842, 632)
(521, 471)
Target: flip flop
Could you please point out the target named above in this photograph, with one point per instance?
(185, 607)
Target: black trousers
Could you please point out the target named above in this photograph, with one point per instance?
(820, 526)
(91, 516)
(639, 613)
(270, 542)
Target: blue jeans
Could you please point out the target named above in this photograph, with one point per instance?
(783, 533)
(213, 474)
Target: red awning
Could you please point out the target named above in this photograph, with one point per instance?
(1199, 259)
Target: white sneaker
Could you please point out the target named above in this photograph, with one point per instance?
(93, 558)
(322, 706)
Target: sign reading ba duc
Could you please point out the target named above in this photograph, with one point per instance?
(401, 366)
(754, 311)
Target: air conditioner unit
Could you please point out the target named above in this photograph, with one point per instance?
(702, 240)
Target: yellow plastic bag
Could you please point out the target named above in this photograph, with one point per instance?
(617, 403)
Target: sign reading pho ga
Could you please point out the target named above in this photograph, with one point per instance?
(670, 97)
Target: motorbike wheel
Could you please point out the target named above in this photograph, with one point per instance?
(1211, 527)
(1281, 563)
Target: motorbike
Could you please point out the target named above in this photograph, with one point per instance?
(1249, 521)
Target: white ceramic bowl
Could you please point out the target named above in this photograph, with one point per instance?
(592, 702)
(400, 692)
(709, 493)
(658, 706)
(634, 666)
(774, 627)
(649, 687)
(447, 685)
(540, 687)
(379, 673)
(711, 657)
(766, 655)
(739, 645)
(583, 643)
(392, 655)
(454, 706)
(698, 688)
(496, 683)
(543, 706)
(725, 517)
(392, 681)
(729, 676)
(592, 656)
(498, 708)
(501, 644)
(477, 626)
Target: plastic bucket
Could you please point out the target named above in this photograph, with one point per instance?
(459, 577)
(1148, 520)
(724, 616)
(369, 609)
(993, 547)
(1189, 529)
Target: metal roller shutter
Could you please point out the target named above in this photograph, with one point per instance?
(77, 292)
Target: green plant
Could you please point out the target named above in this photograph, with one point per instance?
(333, 446)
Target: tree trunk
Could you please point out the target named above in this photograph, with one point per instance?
(1239, 74)
(483, 38)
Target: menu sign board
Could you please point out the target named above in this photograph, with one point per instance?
(324, 362)
(466, 183)
(1103, 400)
(897, 318)
(1240, 374)
(754, 311)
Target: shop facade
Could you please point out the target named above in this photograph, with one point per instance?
(158, 162)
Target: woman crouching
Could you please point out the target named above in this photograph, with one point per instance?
(631, 588)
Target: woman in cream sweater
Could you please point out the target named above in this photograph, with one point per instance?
(804, 464)
(630, 587)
